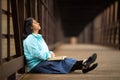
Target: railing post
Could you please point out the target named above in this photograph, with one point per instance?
(119, 36)
(119, 21)
(0, 34)
(18, 23)
(16, 27)
(0, 41)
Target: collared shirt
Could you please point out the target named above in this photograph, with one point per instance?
(35, 50)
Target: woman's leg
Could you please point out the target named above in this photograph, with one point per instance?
(54, 66)
(84, 64)
(77, 66)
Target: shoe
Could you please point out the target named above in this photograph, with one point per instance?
(90, 68)
(90, 60)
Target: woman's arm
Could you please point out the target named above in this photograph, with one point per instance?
(34, 51)
(52, 54)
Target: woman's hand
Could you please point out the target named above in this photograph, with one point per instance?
(52, 54)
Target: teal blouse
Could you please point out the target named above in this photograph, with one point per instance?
(35, 50)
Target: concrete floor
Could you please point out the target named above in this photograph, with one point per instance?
(108, 60)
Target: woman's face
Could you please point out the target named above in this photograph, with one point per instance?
(35, 25)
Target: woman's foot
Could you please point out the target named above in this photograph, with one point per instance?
(90, 68)
(90, 60)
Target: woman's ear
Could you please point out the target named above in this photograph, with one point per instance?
(31, 28)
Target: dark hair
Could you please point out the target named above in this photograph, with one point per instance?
(27, 27)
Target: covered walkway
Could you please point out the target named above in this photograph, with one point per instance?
(108, 59)
(86, 21)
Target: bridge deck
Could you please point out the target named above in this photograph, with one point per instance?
(108, 59)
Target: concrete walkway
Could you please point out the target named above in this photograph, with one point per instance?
(108, 59)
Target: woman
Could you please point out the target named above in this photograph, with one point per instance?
(37, 54)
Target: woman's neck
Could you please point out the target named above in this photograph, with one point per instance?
(35, 32)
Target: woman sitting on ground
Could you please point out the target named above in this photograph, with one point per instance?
(37, 54)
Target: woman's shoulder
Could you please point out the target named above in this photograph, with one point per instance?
(33, 37)
(29, 38)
